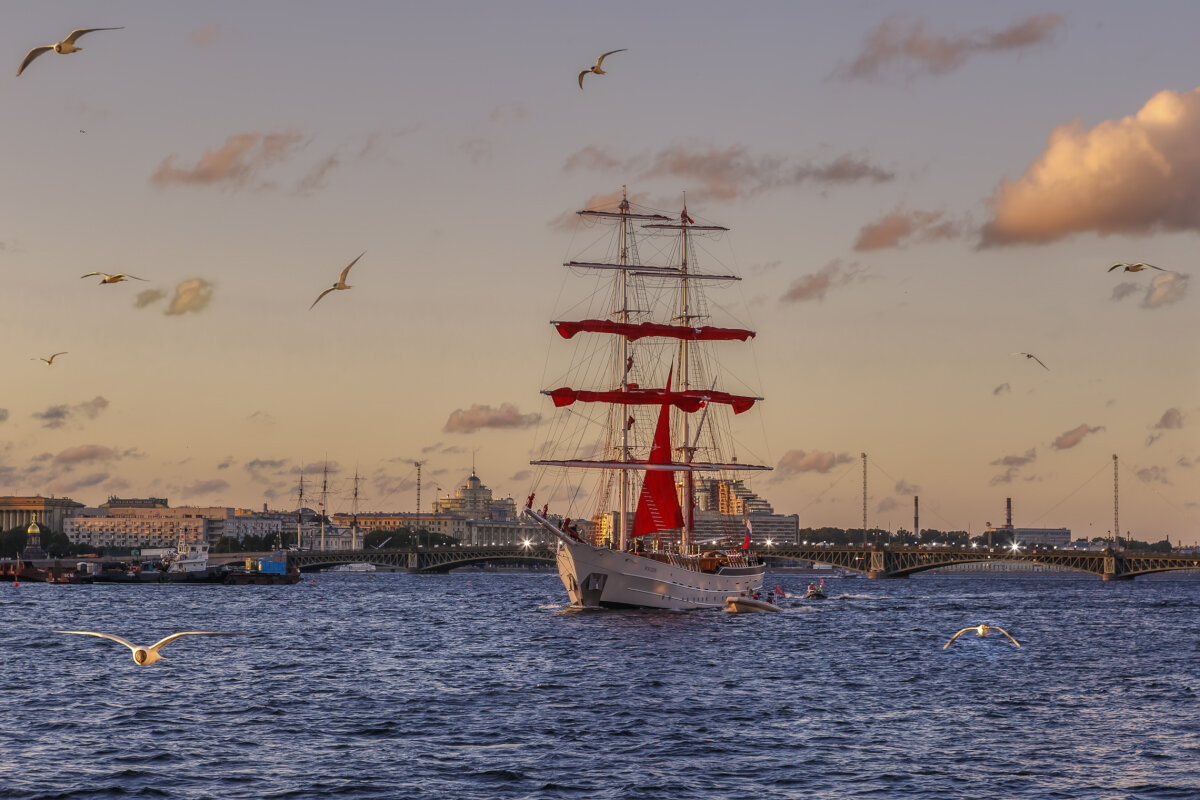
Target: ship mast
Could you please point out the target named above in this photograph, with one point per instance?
(685, 533)
(299, 512)
(354, 516)
(623, 242)
(324, 495)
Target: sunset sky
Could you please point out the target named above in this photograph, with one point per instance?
(915, 190)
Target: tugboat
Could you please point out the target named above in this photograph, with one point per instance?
(646, 359)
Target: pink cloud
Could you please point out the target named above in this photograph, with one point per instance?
(909, 49)
(242, 158)
(204, 37)
(898, 227)
(1074, 436)
(1134, 175)
(728, 172)
(795, 462)
(476, 417)
(816, 285)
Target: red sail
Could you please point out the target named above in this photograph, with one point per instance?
(658, 507)
(690, 401)
(637, 330)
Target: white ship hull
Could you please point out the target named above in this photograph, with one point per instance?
(600, 577)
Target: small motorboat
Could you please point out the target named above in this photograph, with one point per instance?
(743, 604)
(816, 592)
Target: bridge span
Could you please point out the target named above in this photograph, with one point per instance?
(873, 561)
(900, 562)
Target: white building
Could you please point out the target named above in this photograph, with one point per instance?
(157, 526)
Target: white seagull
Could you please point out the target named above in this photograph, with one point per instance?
(341, 281)
(106, 278)
(67, 45)
(49, 360)
(1138, 267)
(596, 69)
(981, 630)
(1035, 358)
(148, 655)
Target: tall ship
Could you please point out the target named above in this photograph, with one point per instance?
(644, 420)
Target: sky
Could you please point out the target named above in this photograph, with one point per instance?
(915, 192)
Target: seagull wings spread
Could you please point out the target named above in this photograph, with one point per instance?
(955, 636)
(34, 53)
(154, 648)
(346, 271)
(600, 60)
(322, 294)
(80, 32)
(1006, 633)
(125, 642)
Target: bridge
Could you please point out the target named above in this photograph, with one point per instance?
(900, 562)
(873, 561)
(427, 559)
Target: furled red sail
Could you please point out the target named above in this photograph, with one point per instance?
(658, 506)
(689, 401)
(637, 330)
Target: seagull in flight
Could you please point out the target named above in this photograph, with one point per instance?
(341, 281)
(1138, 267)
(49, 360)
(596, 69)
(106, 278)
(145, 656)
(981, 630)
(1035, 358)
(67, 45)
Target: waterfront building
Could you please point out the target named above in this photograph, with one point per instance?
(33, 542)
(473, 500)
(135, 502)
(485, 532)
(145, 525)
(18, 512)
(1004, 535)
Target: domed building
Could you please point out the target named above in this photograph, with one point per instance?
(33, 542)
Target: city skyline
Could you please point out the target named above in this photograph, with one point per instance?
(919, 194)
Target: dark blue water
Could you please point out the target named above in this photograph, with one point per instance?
(479, 686)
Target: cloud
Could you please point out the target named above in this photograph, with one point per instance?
(204, 37)
(521, 475)
(903, 487)
(191, 295)
(261, 418)
(478, 150)
(3, 414)
(84, 482)
(148, 296)
(1165, 289)
(1152, 475)
(226, 463)
(730, 172)
(816, 285)
(477, 416)
(88, 453)
(1172, 419)
(1073, 437)
(258, 466)
(917, 226)
(887, 504)
(60, 415)
(242, 159)
(214, 486)
(1016, 461)
(1134, 175)
(1003, 388)
(795, 462)
(1123, 290)
(907, 48)
(315, 179)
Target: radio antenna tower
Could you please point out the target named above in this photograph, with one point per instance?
(864, 460)
(1116, 518)
(418, 464)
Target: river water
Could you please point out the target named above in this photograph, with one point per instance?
(479, 685)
